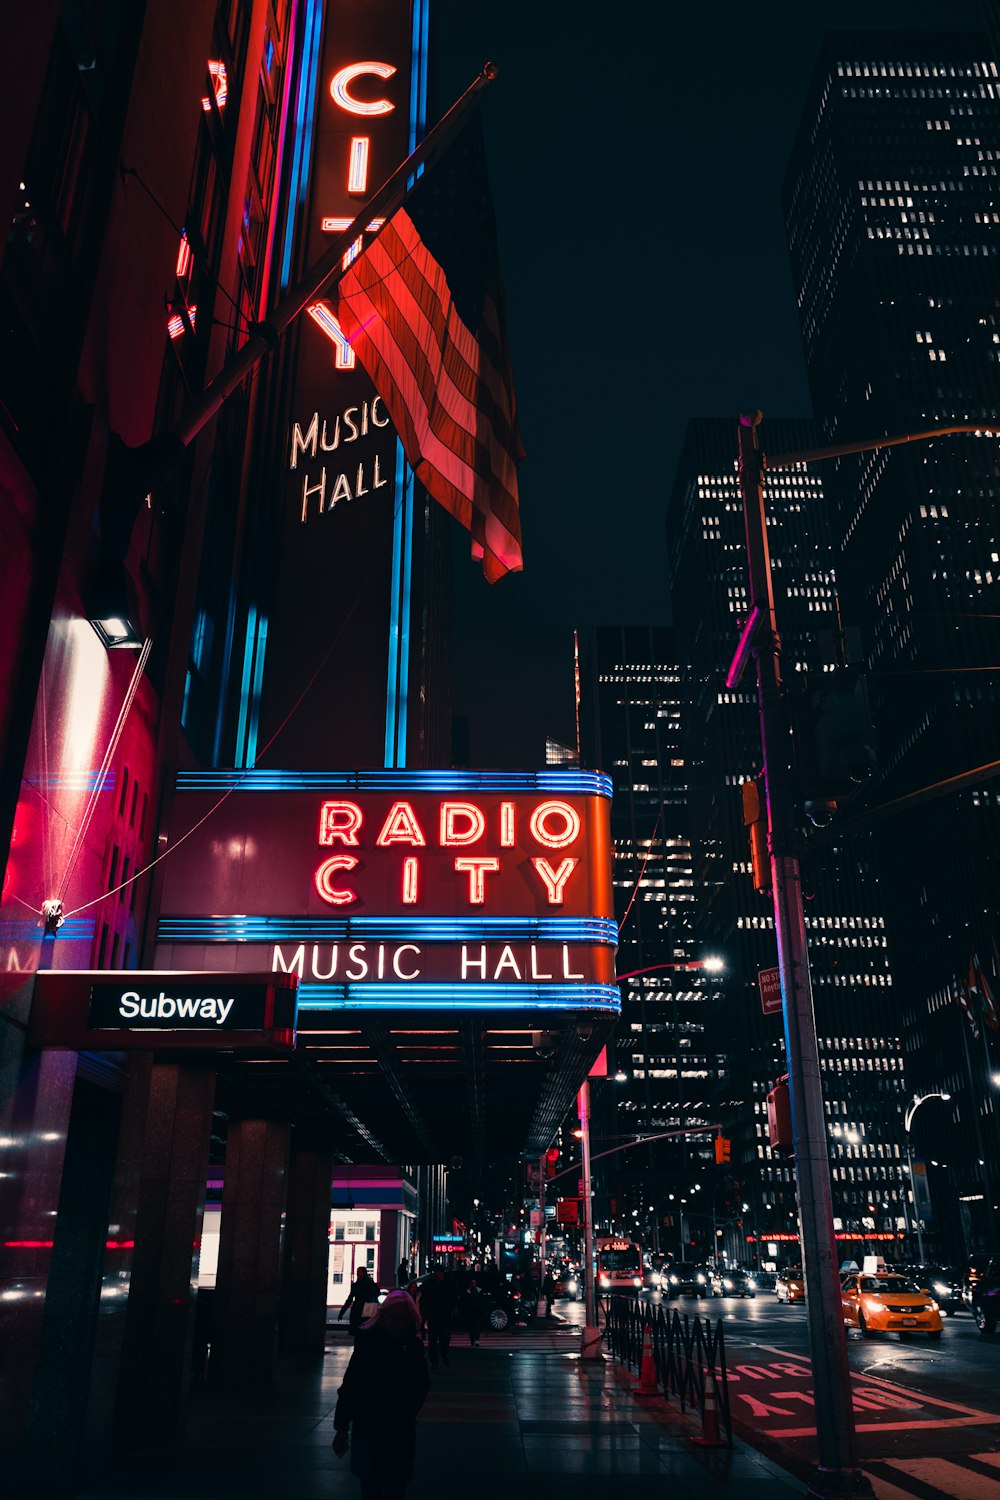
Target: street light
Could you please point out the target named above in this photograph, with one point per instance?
(918, 1099)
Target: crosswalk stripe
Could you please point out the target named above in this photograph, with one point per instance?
(885, 1490)
(930, 1478)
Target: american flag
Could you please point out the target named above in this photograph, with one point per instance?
(423, 309)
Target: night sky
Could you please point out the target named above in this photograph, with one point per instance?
(636, 158)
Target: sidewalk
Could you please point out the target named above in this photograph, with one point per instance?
(519, 1423)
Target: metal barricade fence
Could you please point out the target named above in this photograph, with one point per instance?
(689, 1353)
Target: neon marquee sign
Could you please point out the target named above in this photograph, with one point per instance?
(374, 883)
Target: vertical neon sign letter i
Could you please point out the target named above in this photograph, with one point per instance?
(357, 176)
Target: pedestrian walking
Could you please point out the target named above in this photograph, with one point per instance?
(474, 1310)
(362, 1300)
(437, 1306)
(403, 1273)
(385, 1385)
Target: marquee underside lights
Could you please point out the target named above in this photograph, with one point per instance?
(399, 888)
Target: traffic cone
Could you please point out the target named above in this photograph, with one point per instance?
(710, 1435)
(647, 1370)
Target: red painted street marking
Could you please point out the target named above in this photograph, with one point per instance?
(773, 1396)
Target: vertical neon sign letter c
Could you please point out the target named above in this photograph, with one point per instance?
(342, 80)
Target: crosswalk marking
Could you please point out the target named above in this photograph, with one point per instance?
(929, 1477)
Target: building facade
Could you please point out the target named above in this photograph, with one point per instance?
(894, 234)
(857, 1014)
(670, 1062)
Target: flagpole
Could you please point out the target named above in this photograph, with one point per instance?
(329, 268)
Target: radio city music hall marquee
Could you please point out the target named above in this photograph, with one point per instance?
(396, 887)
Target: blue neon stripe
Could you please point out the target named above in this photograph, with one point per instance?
(392, 670)
(304, 114)
(241, 726)
(72, 930)
(253, 727)
(404, 638)
(73, 781)
(459, 997)
(568, 783)
(250, 929)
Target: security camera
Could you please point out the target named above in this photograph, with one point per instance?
(545, 1042)
(821, 812)
(584, 1031)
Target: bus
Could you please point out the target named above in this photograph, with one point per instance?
(619, 1266)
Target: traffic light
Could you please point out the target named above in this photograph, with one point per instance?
(723, 1146)
(779, 1119)
(755, 818)
(551, 1161)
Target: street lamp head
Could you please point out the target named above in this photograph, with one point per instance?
(713, 964)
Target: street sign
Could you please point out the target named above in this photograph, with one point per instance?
(568, 1211)
(769, 981)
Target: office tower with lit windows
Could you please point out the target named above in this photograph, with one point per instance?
(670, 1062)
(893, 221)
(853, 980)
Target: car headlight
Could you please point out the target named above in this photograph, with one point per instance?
(571, 1286)
(751, 1282)
(940, 1288)
(701, 1278)
(928, 1307)
(637, 1281)
(727, 1283)
(673, 1281)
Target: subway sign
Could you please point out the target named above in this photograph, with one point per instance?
(397, 887)
(102, 1010)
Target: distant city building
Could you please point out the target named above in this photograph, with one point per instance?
(893, 219)
(671, 1059)
(856, 1006)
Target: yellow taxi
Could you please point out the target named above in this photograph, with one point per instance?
(884, 1303)
(790, 1286)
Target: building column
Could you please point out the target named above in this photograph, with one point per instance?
(302, 1324)
(170, 1201)
(59, 1143)
(248, 1284)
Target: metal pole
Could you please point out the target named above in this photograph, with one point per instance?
(838, 1473)
(591, 1346)
(916, 1211)
(541, 1205)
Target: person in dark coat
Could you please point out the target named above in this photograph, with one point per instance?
(364, 1290)
(385, 1385)
(403, 1274)
(437, 1304)
(474, 1310)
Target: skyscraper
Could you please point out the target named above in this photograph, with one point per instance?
(893, 224)
(856, 1010)
(634, 695)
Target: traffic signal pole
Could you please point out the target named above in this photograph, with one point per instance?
(838, 1473)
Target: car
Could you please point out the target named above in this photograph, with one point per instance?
(944, 1285)
(790, 1286)
(887, 1303)
(977, 1268)
(986, 1298)
(732, 1282)
(566, 1283)
(685, 1278)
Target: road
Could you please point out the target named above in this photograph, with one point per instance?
(927, 1415)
